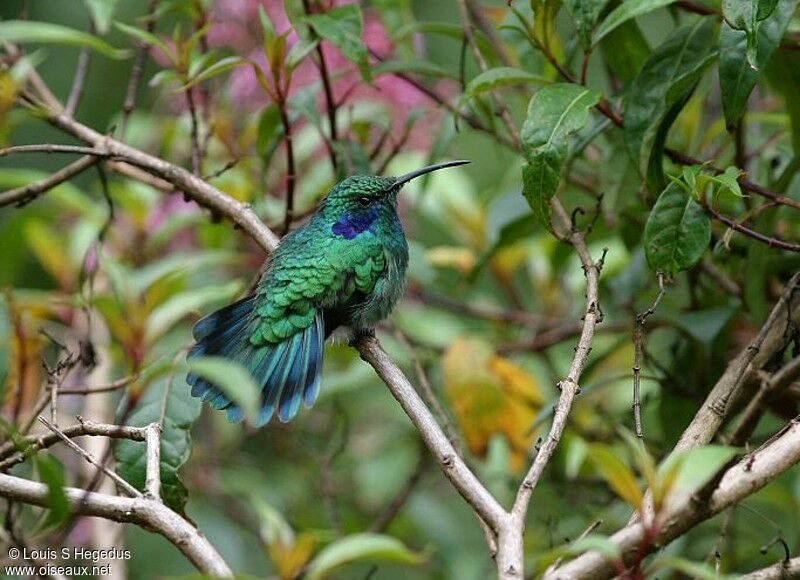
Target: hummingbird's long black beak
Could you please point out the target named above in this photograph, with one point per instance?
(403, 179)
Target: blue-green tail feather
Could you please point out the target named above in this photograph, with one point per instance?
(288, 372)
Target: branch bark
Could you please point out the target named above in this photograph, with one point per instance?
(147, 513)
(742, 480)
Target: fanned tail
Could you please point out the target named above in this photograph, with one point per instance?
(288, 372)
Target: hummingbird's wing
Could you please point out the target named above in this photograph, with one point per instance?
(298, 286)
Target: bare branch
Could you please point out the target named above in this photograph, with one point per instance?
(26, 193)
(779, 571)
(195, 188)
(453, 466)
(742, 480)
(769, 339)
(638, 344)
(131, 491)
(13, 452)
(152, 484)
(149, 514)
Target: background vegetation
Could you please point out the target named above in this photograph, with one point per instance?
(668, 136)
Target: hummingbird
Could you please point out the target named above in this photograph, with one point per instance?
(345, 267)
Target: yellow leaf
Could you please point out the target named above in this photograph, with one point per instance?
(290, 559)
(490, 395)
(618, 475)
(461, 259)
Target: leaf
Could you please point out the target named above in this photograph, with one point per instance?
(618, 475)
(163, 317)
(417, 66)
(677, 231)
(747, 15)
(554, 113)
(51, 472)
(544, 25)
(445, 29)
(23, 31)
(221, 66)
(148, 38)
(490, 395)
(233, 379)
(585, 14)
(269, 132)
(782, 75)
(625, 50)
(343, 27)
(687, 471)
(498, 77)
(624, 12)
(102, 12)
(360, 548)
(737, 77)
(664, 80)
(299, 51)
(180, 411)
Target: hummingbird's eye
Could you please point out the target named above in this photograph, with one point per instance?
(364, 201)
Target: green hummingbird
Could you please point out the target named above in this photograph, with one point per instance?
(345, 267)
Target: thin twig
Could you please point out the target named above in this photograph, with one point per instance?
(469, 34)
(14, 452)
(27, 193)
(137, 71)
(131, 491)
(638, 345)
(290, 168)
(330, 103)
(79, 81)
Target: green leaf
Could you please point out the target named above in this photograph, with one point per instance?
(233, 379)
(148, 38)
(687, 471)
(704, 325)
(624, 12)
(677, 231)
(360, 548)
(498, 77)
(737, 77)
(445, 29)
(595, 542)
(51, 473)
(618, 475)
(417, 66)
(343, 27)
(221, 66)
(269, 132)
(782, 75)
(747, 15)
(102, 12)
(554, 113)
(299, 51)
(585, 14)
(164, 317)
(666, 76)
(545, 13)
(625, 50)
(24, 31)
(180, 411)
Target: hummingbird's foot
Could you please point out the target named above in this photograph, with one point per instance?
(361, 334)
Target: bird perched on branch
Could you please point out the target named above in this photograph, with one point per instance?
(345, 267)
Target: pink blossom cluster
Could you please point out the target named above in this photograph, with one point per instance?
(236, 25)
